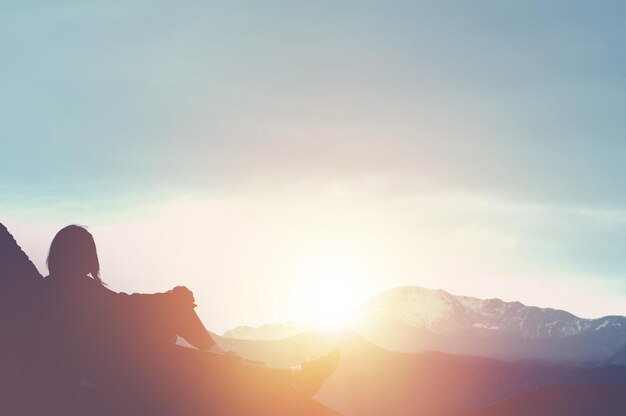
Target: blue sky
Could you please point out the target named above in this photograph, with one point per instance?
(502, 122)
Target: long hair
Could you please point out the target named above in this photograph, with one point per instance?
(73, 252)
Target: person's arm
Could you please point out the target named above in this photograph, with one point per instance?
(188, 323)
(193, 331)
(177, 298)
(177, 308)
(157, 300)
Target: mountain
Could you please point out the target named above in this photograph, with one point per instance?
(414, 319)
(266, 332)
(584, 400)
(371, 381)
(441, 312)
(619, 358)
(16, 269)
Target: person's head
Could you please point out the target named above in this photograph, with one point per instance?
(73, 253)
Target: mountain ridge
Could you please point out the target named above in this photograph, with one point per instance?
(576, 400)
(492, 313)
(414, 319)
(371, 380)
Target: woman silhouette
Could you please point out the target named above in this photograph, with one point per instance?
(125, 345)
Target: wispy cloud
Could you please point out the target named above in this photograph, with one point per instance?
(482, 138)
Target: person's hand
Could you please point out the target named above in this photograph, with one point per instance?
(183, 295)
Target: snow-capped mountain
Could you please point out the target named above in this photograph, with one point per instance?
(414, 318)
(441, 312)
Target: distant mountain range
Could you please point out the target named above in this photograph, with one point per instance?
(441, 312)
(582, 400)
(268, 331)
(619, 358)
(420, 351)
(372, 381)
(413, 319)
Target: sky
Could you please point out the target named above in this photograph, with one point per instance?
(268, 154)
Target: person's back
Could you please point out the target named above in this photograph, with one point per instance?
(125, 345)
(86, 328)
(117, 341)
(106, 338)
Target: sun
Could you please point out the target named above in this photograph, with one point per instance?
(326, 291)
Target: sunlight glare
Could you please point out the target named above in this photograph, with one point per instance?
(327, 291)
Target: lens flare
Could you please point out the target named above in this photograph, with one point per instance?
(327, 291)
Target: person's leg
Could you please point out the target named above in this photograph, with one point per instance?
(228, 385)
(307, 378)
(217, 384)
(227, 369)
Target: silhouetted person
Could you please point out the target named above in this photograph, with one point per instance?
(125, 345)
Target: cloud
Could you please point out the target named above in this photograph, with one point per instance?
(486, 138)
(425, 96)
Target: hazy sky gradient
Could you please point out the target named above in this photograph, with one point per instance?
(474, 146)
